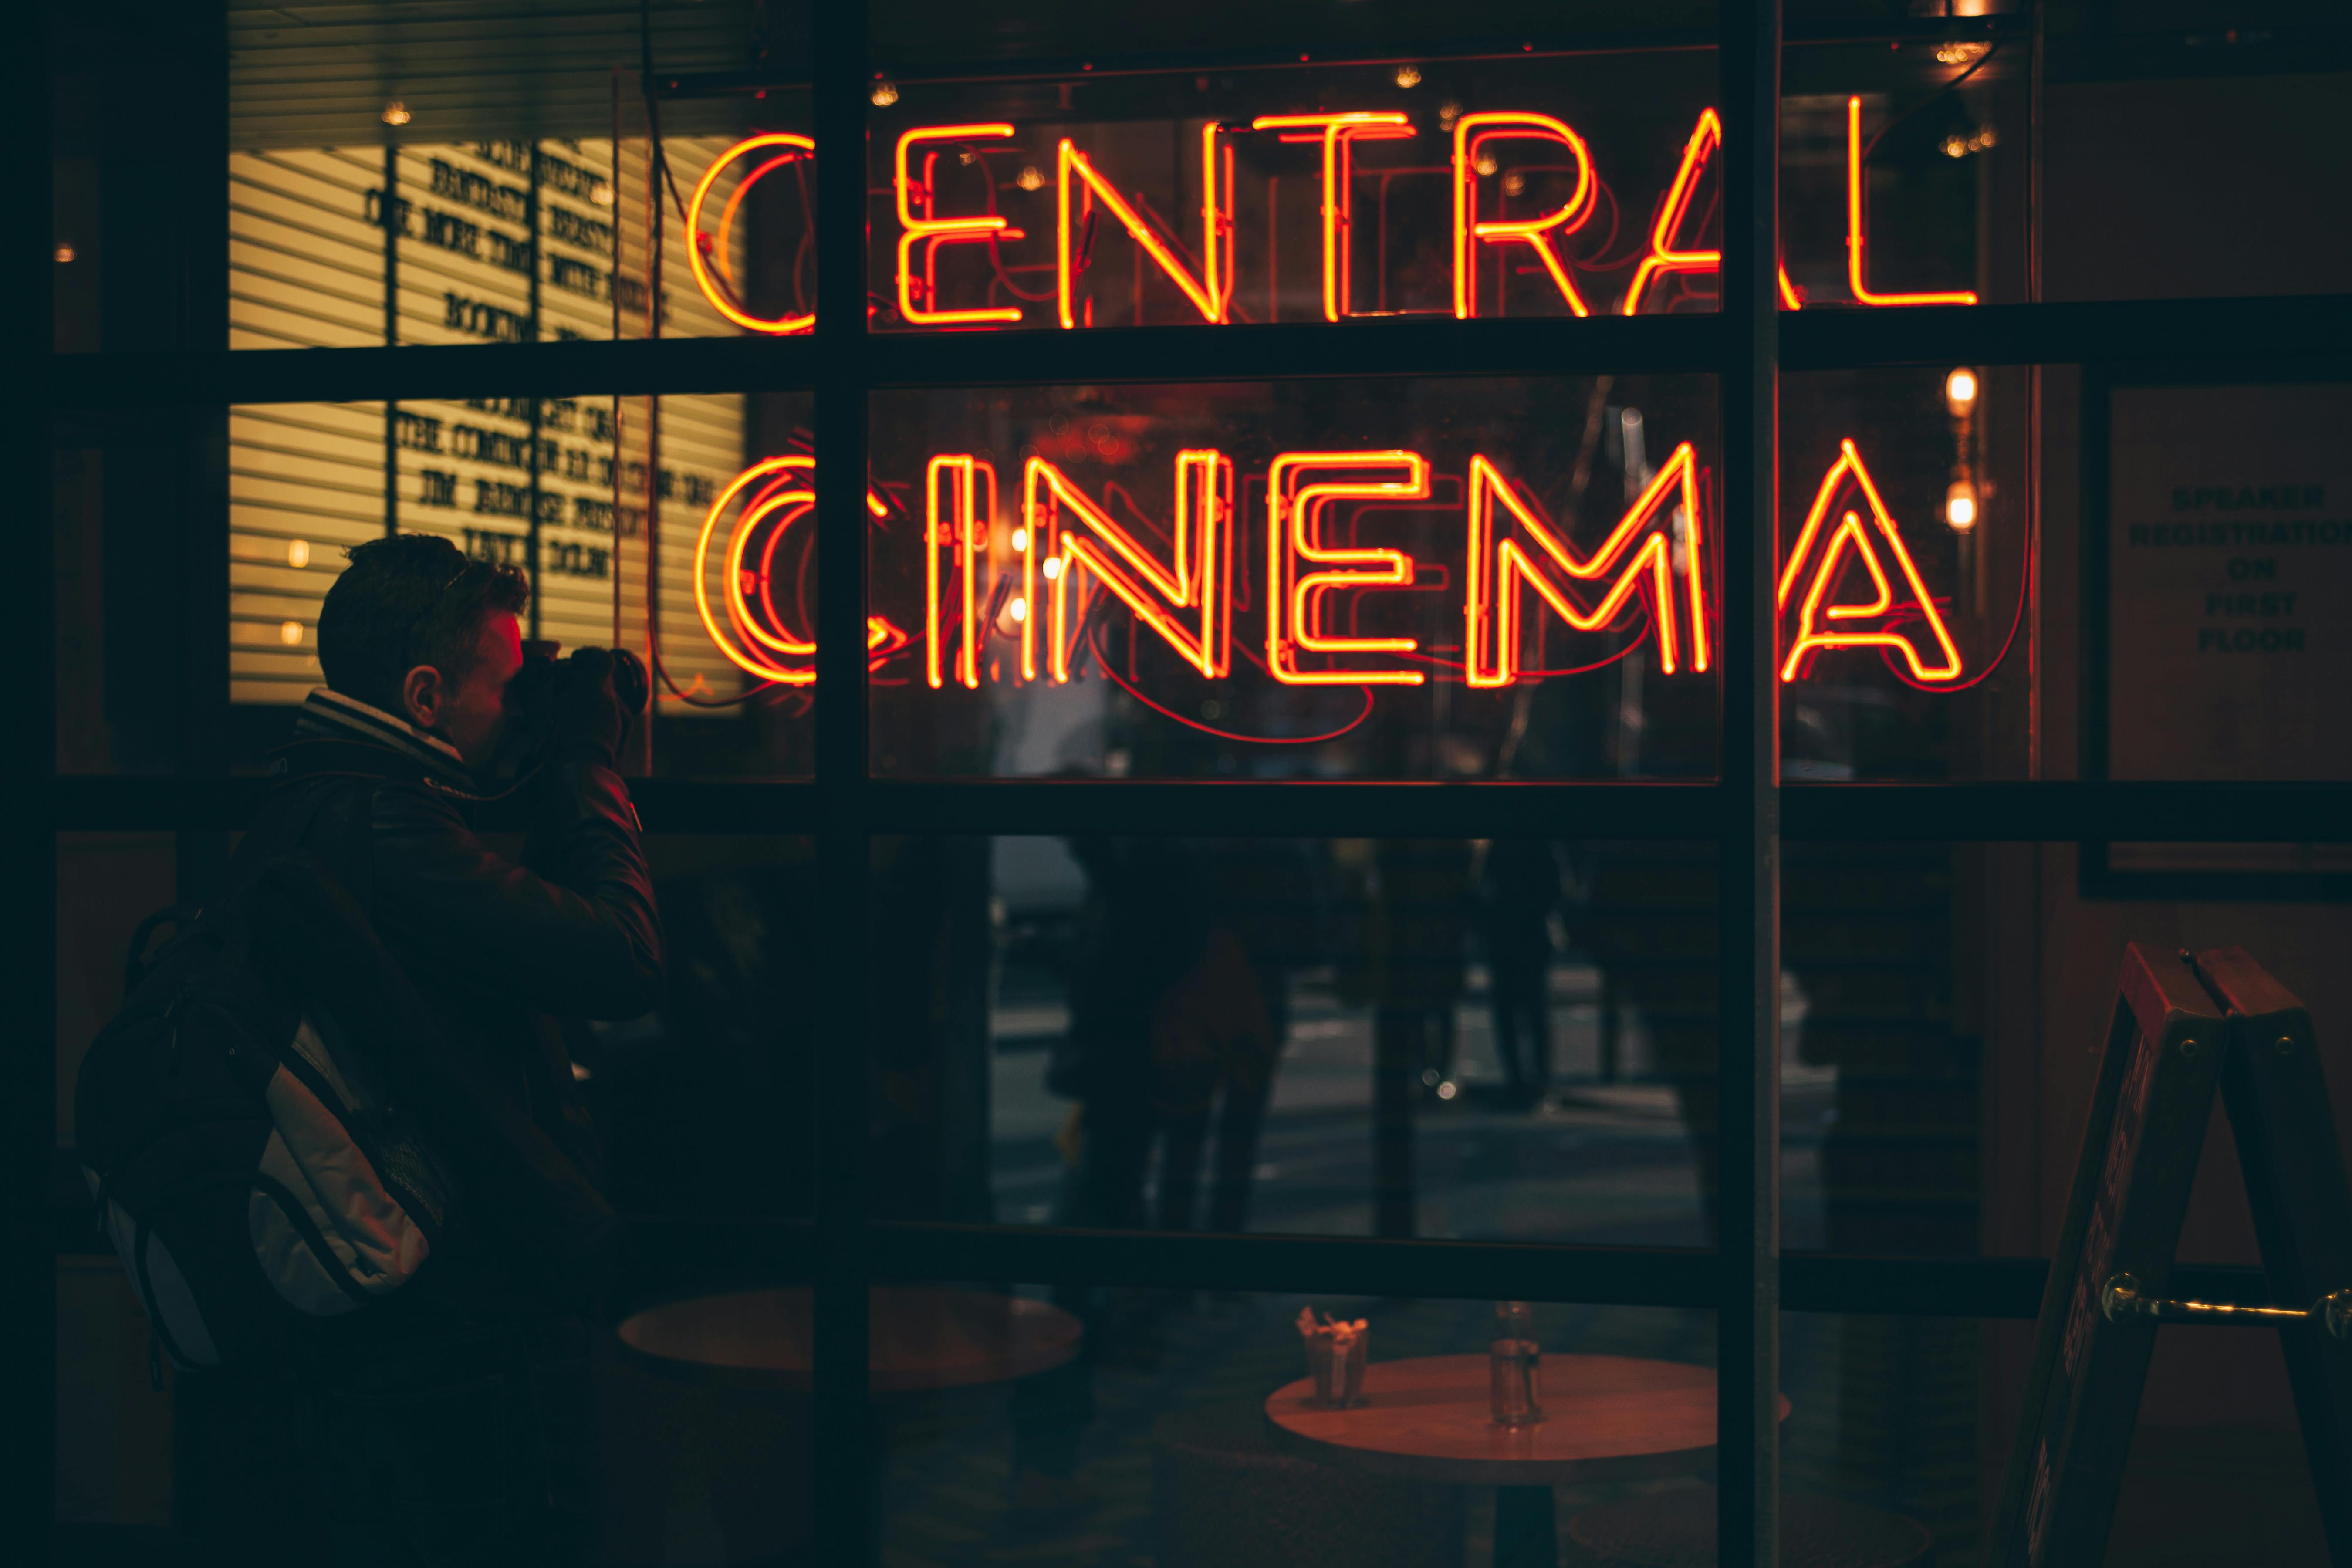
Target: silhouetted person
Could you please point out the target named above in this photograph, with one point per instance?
(1521, 884)
(452, 1421)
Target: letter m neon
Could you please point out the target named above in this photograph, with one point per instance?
(1637, 558)
(1069, 534)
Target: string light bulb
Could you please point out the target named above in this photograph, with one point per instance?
(1960, 390)
(1032, 178)
(396, 113)
(291, 634)
(298, 552)
(1408, 76)
(1960, 505)
(883, 95)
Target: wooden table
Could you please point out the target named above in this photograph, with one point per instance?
(916, 1339)
(1426, 1419)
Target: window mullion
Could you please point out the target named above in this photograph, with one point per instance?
(839, 1068)
(1748, 945)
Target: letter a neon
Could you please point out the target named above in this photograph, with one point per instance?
(1850, 535)
(1663, 257)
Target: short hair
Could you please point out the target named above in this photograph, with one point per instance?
(410, 599)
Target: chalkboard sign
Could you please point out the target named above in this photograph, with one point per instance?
(2182, 1029)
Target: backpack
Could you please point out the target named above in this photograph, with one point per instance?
(250, 1159)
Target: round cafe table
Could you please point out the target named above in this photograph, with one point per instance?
(1426, 1419)
(916, 1339)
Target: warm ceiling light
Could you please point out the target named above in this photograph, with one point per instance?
(396, 113)
(1485, 163)
(291, 634)
(1960, 505)
(1031, 179)
(1960, 390)
(298, 552)
(65, 253)
(883, 95)
(1408, 76)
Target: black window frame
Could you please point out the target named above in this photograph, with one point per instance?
(1747, 811)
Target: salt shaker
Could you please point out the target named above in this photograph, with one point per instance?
(1512, 1364)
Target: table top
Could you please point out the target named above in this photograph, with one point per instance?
(917, 1338)
(1605, 1418)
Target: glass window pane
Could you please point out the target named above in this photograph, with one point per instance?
(1906, 554)
(613, 534)
(1438, 1038)
(1279, 580)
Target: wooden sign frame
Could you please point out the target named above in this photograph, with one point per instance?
(2183, 1030)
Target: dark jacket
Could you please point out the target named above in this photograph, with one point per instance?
(497, 948)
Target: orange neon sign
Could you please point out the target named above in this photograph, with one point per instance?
(1208, 293)
(752, 624)
(1068, 533)
(1812, 631)
(1066, 556)
(1491, 598)
(964, 531)
(931, 232)
(1336, 132)
(697, 243)
(1294, 600)
(1663, 257)
(1856, 271)
(1208, 285)
(1470, 132)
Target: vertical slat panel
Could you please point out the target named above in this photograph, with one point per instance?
(842, 1478)
(1748, 1126)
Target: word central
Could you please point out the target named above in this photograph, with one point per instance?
(1200, 263)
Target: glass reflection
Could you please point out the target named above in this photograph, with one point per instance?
(1438, 1038)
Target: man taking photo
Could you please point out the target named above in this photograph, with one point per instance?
(451, 1422)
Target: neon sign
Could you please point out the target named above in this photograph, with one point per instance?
(1045, 574)
(1089, 199)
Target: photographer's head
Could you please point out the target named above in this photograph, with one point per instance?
(415, 628)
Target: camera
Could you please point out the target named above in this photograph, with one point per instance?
(533, 696)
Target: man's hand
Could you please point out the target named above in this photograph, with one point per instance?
(589, 719)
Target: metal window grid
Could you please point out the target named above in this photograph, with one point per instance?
(1746, 346)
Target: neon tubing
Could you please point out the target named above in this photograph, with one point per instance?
(1492, 596)
(749, 663)
(1294, 606)
(780, 325)
(1209, 293)
(1855, 272)
(1850, 534)
(931, 232)
(1200, 581)
(963, 529)
(1470, 131)
(1338, 204)
(1663, 257)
